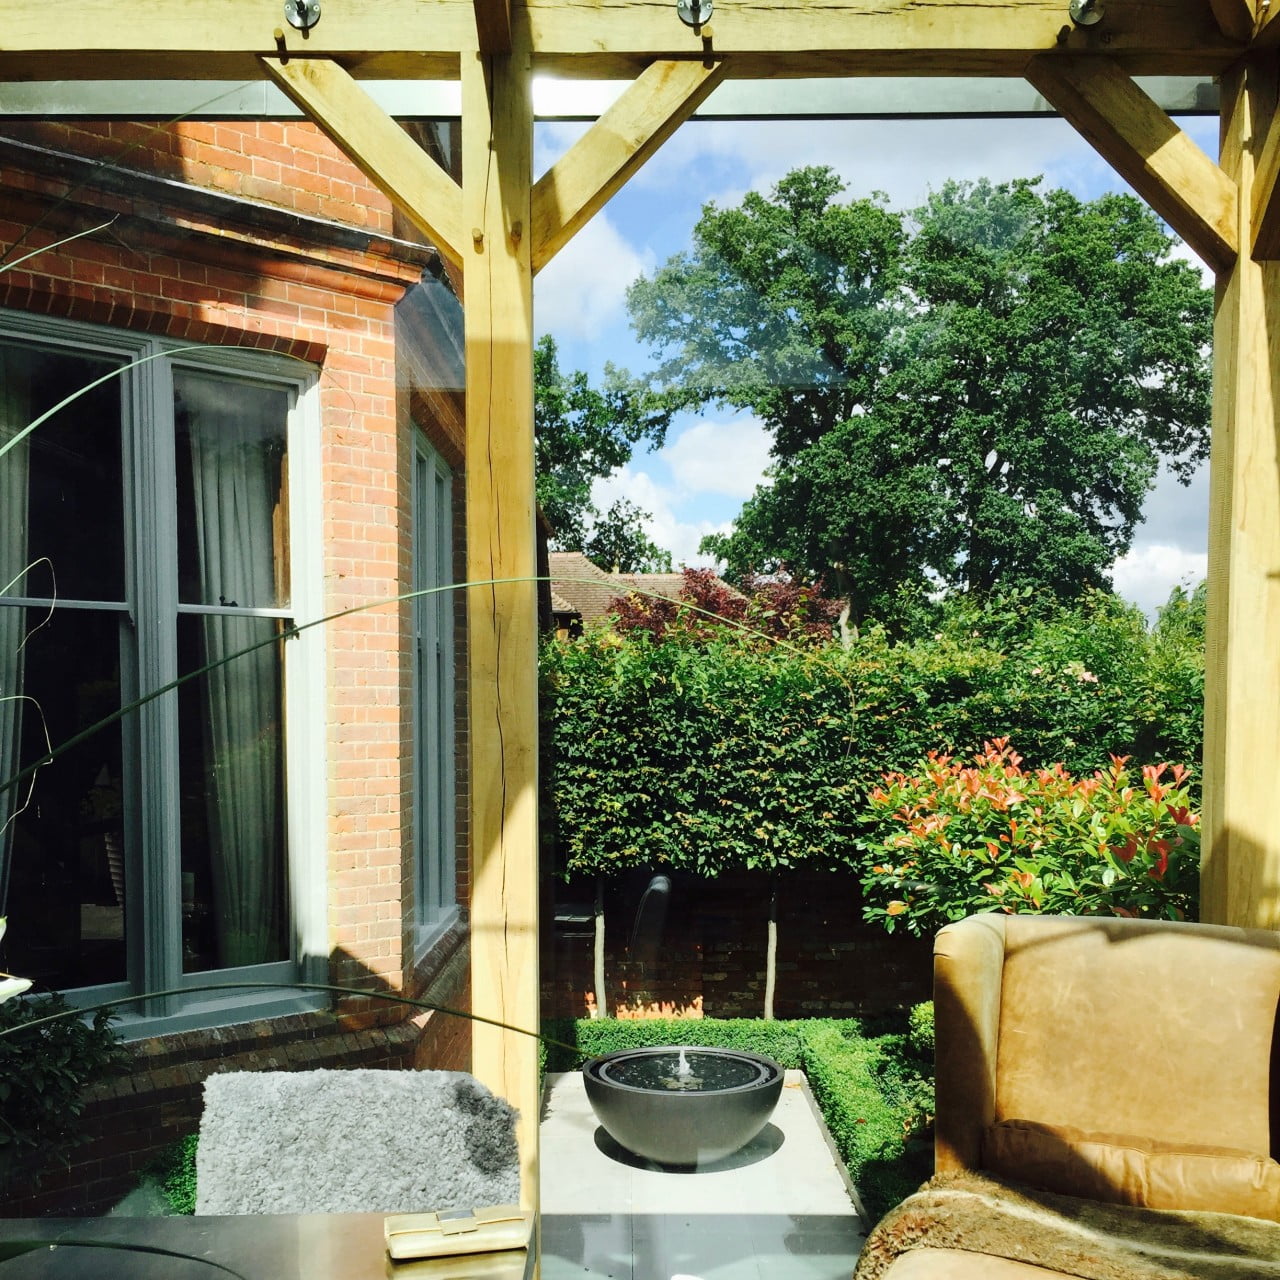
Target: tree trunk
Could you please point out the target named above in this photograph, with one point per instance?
(601, 1009)
(771, 950)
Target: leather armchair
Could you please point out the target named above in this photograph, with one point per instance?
(1133, 1062)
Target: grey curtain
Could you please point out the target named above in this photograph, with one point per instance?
(15, 414)
(234, 504)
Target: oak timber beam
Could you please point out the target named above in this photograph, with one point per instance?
(1187, 189)
(1235, 18)
(502, 618)
(1265, 201)
(1240, 864)
(1267, 28)
(583, 180)
(584, 38)
(419, 187)
(493, 25)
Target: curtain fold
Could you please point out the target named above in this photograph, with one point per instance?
(15, 414)
(231, 430)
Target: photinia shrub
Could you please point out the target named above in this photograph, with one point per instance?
(952, 839)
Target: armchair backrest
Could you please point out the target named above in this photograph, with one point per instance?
(1161, 1030)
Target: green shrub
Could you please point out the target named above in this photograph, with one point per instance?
(920, 1031)
(175, 1174)
(952, 839)
(858, 1086)
(43, 1077)
(875, 1092)
(780, 1041)
(728, 753)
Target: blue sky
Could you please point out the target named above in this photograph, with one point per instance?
(710, 464)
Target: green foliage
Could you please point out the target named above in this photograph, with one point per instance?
(778, 608)
(617, 542)
(781, 1041)
(175, 1174)
(1181, 619)
(583, 433)
(43, 1077)
(875, 1091)
(920, 1031)
(695, 757)
(731, 753)
(977, 393)
(951, 839)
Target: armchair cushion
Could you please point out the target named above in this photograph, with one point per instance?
(1125, 1169)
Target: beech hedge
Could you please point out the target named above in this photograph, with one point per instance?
(727, 751)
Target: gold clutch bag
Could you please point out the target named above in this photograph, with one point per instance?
(458, 1231)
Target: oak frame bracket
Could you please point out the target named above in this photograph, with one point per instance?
(582, 181)
(1132, 133)
(384, 152)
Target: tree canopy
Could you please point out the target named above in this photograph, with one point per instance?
(979, 392)
(583, 433)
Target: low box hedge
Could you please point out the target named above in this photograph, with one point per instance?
(872, 1085)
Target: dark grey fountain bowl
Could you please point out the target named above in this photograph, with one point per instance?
(682, 1107)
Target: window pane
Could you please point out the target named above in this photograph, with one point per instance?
(63, 850)
(434, 680)
(232, 508)
(62, 484)
(231, 765)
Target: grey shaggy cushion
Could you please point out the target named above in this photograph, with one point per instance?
(353, 1141)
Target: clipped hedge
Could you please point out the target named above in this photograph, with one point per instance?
(781, 1041)
(874, 1089)
(734, 753)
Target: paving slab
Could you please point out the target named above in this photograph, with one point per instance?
(782, 1207)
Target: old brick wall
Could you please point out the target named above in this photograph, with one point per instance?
(712, 952)
(130, 1120)
(263, 235)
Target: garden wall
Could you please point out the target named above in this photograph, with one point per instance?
(710, 958)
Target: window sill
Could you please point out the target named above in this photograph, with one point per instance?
(197, 1013)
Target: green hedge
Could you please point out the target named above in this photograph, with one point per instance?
(733, 753)
(781, 1041)
(872, 1085)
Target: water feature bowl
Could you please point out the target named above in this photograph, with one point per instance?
(682, 1106)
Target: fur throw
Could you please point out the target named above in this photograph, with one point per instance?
(351, 1141)
(1083, 1238)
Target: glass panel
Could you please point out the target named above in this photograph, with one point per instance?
(231, 768)
(434, 673)
(230, 443)
(65, 843)
(72, 497)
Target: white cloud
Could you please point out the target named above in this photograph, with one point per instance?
(664, 527)
(719, 457)
(583, 289)
(903, 158)
(1149, 573)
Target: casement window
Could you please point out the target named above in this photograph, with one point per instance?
(434, 613)
(160, 525)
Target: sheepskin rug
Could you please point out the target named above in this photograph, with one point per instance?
(353, 1141)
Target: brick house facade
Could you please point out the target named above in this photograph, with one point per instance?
(233, 263)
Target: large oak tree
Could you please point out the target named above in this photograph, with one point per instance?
(584, 433)
(977, 393)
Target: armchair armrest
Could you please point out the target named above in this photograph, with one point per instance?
(968, 965)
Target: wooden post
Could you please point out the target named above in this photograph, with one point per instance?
(1240, 872)
(497, 156)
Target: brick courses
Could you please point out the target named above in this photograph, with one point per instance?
(263, 235)
(830, 963)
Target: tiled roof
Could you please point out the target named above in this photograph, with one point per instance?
(590, 592)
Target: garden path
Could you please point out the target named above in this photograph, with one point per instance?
(781, 1208)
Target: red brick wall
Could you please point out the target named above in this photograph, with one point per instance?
(829, 962)
(270, 276)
